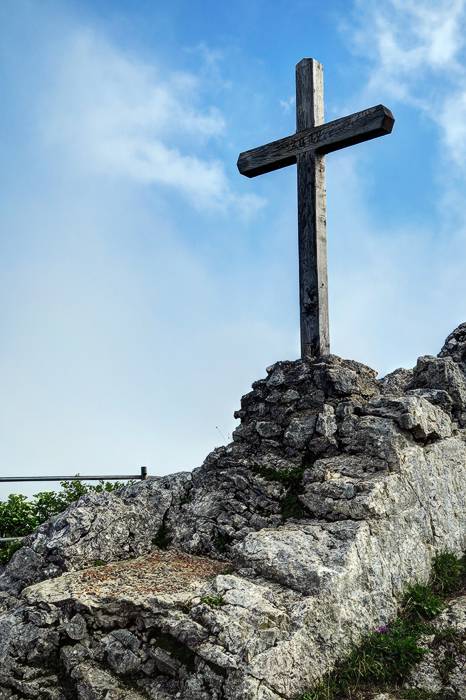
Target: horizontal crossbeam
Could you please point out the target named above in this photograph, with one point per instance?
(358, 127)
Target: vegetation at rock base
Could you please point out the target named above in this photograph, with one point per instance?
(20, 515)
(385, 657)
(421, 603)
(98, 562)
(448, 573)
(290, 506)
(288, 477)
(215, 601)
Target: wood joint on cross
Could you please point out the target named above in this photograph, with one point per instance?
(307, 148)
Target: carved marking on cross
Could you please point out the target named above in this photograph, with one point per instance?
(307, 148)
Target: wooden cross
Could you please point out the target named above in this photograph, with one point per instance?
(307, 148)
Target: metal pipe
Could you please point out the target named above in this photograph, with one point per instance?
(103, 477)
(106, 477)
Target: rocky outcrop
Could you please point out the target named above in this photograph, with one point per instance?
(249, 577)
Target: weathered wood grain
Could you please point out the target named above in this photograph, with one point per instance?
(307, 148)
(312, 225)
(325, 138)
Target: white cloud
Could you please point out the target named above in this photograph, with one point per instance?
(113, 115)
(416, 51)
(128, 336)
(288, 104)
(396, 291)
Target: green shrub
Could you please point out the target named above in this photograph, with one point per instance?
(20, 515)
(7, 549)
(288, 477)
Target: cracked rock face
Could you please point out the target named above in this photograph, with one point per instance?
(248, 578)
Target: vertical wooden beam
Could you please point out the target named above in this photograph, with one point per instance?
(312, 219)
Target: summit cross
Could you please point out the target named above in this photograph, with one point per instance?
(307, 148)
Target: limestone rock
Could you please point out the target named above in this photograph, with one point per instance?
(397, 382)
(442, 373)
(251, 576)
(455, 346)
(413, 414)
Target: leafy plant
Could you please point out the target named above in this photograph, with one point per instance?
(215, 601)
(20, 515)
(448, 573)
(8, 549)
(421, 603)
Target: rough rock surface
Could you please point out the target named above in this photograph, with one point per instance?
(248, 578)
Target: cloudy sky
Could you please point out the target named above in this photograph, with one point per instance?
(144, 284)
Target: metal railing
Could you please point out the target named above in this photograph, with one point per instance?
(143, 476)
(103, 477)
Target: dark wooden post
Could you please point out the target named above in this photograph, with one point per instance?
(312, 220)
(307, 148)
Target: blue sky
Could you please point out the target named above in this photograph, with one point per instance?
(144, 283)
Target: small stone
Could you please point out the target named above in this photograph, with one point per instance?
(76, 627)
(268, 429)
(300, 430)
(277, 378)
(121, 648)
(290, 395)
(326, 424)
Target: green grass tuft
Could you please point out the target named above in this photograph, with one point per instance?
(288, 477)
(215, 601)
(448, 573)
(420, 603)
(417, 694)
